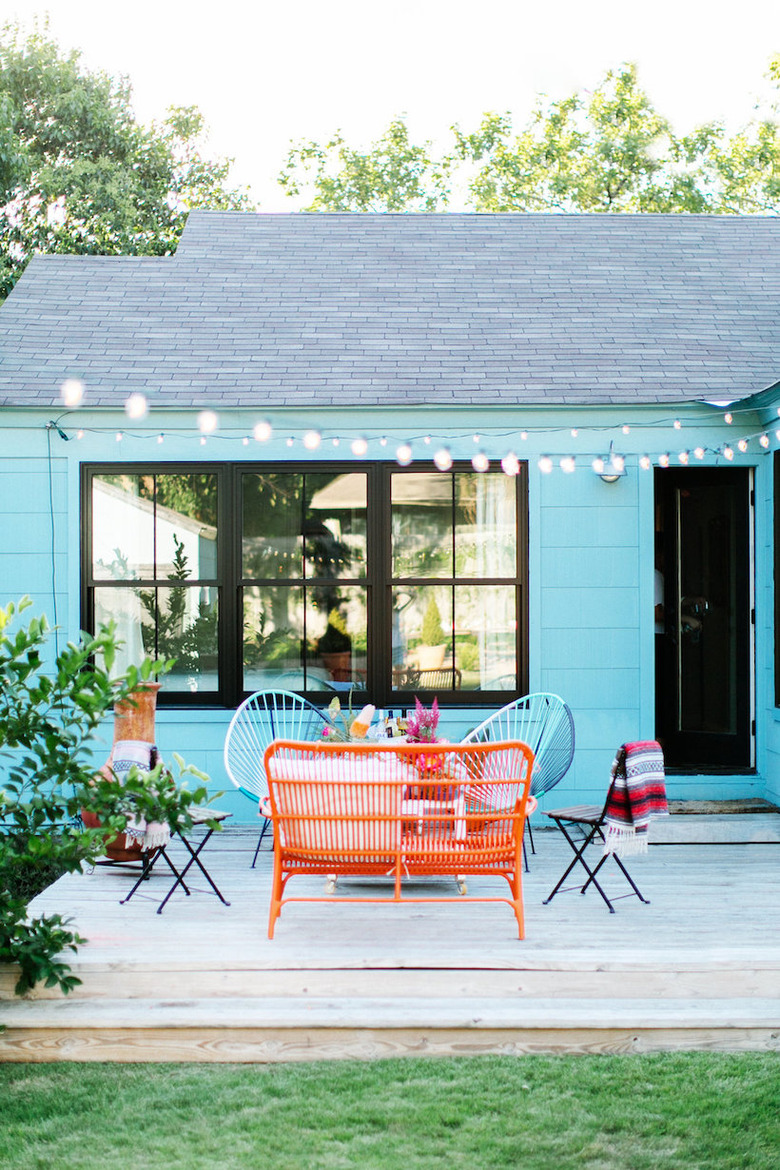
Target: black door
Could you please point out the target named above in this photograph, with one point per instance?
(703, 618)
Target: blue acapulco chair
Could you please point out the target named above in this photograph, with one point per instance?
(543, 721)
(263, 717)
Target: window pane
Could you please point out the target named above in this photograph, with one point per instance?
(273, 637)
(272, 545)
(146, 526)
(337, 635)
(485, 637)
(186, 527)
(122, 528)
(422, 637)
(485, 525)
(335, 529)
(179, 623)
(422, 525)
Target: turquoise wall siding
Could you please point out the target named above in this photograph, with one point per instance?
(590, 558)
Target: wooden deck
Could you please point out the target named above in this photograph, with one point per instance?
(697, 968)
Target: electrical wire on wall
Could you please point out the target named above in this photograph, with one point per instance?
(52, 426)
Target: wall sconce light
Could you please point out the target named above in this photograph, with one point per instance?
(612, 467)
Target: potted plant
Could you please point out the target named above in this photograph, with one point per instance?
(430, 653)
(335, 647)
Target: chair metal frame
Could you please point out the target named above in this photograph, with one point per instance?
(543, 721)
(263, 717)
(588, 819)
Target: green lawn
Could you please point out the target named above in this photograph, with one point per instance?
(691, 1110)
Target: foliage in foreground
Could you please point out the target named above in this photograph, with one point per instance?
(606, 151)
(697, 1111)
(48, 721)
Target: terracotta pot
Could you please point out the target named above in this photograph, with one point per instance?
(132, 720)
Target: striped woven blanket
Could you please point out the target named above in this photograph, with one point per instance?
(637, 793)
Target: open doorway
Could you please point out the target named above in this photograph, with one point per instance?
(703, 618)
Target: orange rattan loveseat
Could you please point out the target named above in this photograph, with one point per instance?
(395, 811)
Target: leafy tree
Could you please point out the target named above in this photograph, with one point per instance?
(78, 173)
(394, 175)
(48, 720)
(608, 151)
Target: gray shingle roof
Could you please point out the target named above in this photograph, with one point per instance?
(297, 309)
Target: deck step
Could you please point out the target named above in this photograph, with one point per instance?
(633, 981)
(282, 1029)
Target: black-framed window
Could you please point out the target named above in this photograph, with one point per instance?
(318, 578)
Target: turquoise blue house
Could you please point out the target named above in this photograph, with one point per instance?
(468, 456)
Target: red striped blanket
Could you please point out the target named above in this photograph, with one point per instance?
(637, 793)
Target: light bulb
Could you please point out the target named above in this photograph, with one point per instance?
(510, 464)
(72, 391)
(383, 441)
(475, 438)
(136, 405)
(664, 459)
(208, 422)
(619, 463)
(443, 459)
(764, 441)
(728, 453)
(683, 458)
(404, 455)
(427, 439)
(568, 464)
(626, 429)
(728, 417)
(290, 441)
(262, 431)
(161, 438)
(698, 452)
(245, 441)
(574, 432)
(480, 461)
(79, 434)
(119, 436)
(311, 440)
(524, 435)
(598, 465)
(545, 464)
(644, 462)
(359, 447)
(677, 424)
(743, 445)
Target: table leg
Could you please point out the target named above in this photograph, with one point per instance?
(193, 860)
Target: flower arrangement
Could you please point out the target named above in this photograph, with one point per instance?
(421, 726)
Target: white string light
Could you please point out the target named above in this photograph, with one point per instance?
(728, 453)
(136, 406)
(72, 392)
(359, 447)
(311, 440)
(208, 421)
(645, 462)
(743, 445)
(443, 459)
(404, 455)
(568, 464)
(764, 441)
(510, 464)
(262, 431)
(480, 461)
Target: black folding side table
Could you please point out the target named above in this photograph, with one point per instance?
(199, 817)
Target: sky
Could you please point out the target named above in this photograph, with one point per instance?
(265, 74)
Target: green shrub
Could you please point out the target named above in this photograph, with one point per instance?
(48, 721)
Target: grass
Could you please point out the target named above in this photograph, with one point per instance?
(688, 1110)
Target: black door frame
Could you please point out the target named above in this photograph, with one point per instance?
(701, 750)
